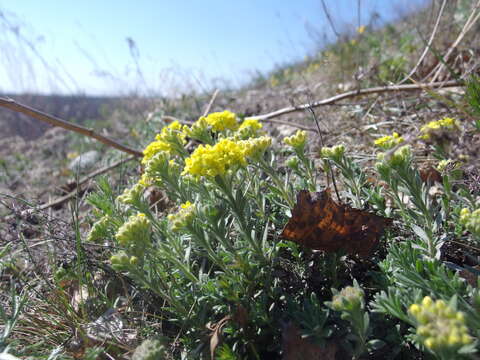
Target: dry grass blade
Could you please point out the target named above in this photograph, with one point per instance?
(473, 18)
(211, 102)
(429, 44)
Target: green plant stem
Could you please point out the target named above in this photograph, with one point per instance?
(239, 214)
(200, 237)
(159, 288)
(332, 264)
(308, 168)
(346, 166)
(358, 323)
(278, 183)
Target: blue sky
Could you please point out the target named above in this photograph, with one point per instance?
(82, 46)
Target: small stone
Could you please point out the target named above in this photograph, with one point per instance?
(84, 161)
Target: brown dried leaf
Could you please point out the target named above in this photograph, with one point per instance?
(216, 335)
(430, 175)
(319, 223)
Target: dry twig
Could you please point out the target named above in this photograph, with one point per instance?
(55, 121)
(84, 180)
(354, 93)
(59, 201)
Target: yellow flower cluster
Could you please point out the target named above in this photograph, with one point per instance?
(334, 153)
(254, 148)
(397, 158)
(131, 195)
(158, 166)
(99, 229)
(134, 236)
(347, 299)
(389, 141)
(249, 128)
(134, 233)
(121, 260)
(251, 124)
(215, 160)
(298, 140)
(445, 124)
(227, 154)
(440, 327)
(471, 220)
(220, 121)
(170, 139)
(198, 130)
(183, 217)
(444, 164)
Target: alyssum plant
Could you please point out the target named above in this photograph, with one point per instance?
(214, 254)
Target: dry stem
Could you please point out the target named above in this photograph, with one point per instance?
(354, 93)
(53, 120)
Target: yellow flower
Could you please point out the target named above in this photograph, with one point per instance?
(439, 326)
(464, 215)
(427, 301)
(215, 160)
(134, 260)
(226, 155)
(361, 29)
(145, 180)
(471, 220)
(298, 140)
(99, 229)
(334, 153)
(183, 217)
(254, 148)
(348, 298)
(220, 121)
(132, 195)
(186, 205)
(170, 140)
(120, 260)
(252, 123)
(134, 234)
(445, 124)
(248, 128)
(159, 167)
(154, 148)
(389, 141)
(401, 156)
(198, 130)
(385, 161)
(444, 164)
